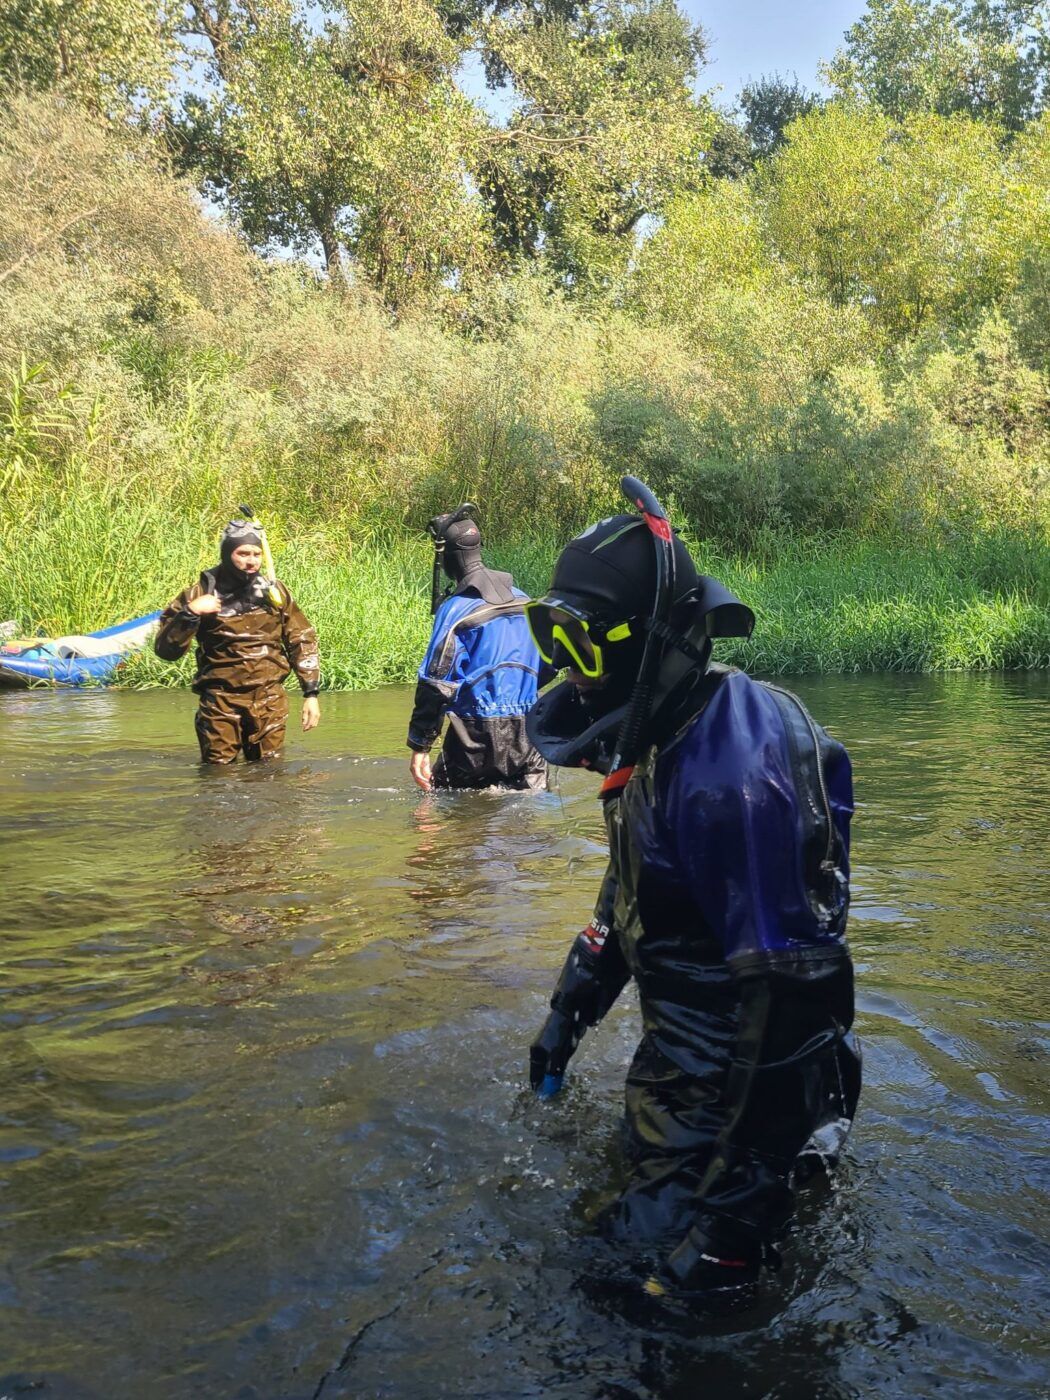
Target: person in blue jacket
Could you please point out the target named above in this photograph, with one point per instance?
(725, 899)
(481, 669)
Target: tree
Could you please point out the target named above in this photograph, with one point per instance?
(97, 239)
(757, 127)
(729, 154)
(1025, 230)
(901, 219)
(355, 136)
(769, 106)
(359, 137)
(105, 53)
(606, 128)
(710, 240)
(988, 58)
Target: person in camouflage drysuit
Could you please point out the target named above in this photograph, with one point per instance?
(246, 646)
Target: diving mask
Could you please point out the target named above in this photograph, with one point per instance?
(565, 637)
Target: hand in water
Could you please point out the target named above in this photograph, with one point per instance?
(549, 1053)
(206, 603)
(419, 767)
(311, 713)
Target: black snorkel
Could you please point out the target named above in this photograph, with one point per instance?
(629, 738)
(436, 529)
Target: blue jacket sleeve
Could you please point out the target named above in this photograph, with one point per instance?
(439, 664)
(438, 678)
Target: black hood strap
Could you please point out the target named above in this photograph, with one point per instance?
(676, 639)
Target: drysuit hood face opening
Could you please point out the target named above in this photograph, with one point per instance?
(236, 534)
(246, 589)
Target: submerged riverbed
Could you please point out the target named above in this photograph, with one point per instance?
(263, 1125)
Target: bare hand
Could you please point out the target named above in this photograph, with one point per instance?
(206, 603)
(419, 767)
(311, 713)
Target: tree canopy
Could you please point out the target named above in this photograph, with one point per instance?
(987, 58)
(104, 53)
(346, 129)
(913, 205)
(358, 134)
(354, 135)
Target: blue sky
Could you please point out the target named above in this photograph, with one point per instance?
(750, 37)
(746, 39)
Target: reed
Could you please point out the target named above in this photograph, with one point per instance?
(822, 605)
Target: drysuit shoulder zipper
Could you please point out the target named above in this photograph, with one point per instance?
(827, 865)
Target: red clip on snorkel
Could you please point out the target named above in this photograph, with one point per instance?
(629, 738)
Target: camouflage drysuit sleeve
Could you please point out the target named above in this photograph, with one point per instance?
(300, 645)
(177, 629)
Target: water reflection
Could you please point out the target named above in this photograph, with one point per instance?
(264, 1129)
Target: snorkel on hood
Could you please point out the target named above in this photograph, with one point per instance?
(457, 554)
(574, 726)
(247, 589)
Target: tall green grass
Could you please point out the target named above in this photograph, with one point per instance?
(871, 607)
(95, 557)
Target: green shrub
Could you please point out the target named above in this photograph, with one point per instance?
(153, 375)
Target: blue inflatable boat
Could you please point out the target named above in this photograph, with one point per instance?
(88, 659)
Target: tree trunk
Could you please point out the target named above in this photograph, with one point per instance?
(333, 252)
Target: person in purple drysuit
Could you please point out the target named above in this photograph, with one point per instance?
(725, 899)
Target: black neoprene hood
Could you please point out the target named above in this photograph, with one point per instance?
(608, 574)
(462, 548)
(610, 571)
(459, 551)
(236, 534)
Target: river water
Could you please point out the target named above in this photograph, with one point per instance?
(263, 1124)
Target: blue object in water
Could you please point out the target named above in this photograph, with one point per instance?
(551, 1085)
(88, 659)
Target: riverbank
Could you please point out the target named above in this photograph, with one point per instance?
(876, 488)
(822, 607)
